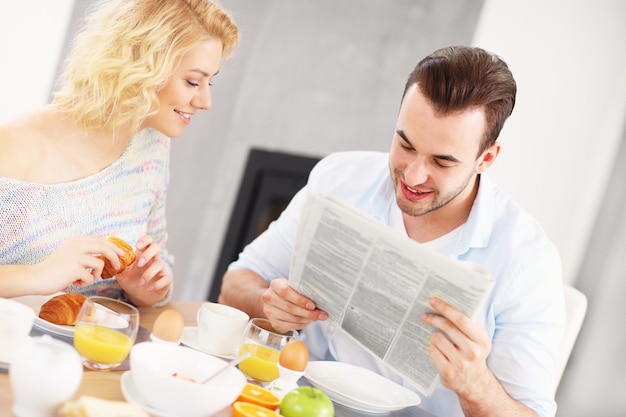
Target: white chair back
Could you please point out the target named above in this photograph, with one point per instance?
(576, 307)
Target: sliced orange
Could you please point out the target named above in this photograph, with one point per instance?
(244, 409)
(258, 395)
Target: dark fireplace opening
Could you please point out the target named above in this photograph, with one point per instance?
(269, 182)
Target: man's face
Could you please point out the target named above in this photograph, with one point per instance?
(433, 160)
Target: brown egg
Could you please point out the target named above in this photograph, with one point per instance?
(169, 325)
(294, 355)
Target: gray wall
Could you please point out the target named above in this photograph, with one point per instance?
(310, 77)
(594, 382)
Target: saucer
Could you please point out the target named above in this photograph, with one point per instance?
(359, 388)
(190, 339)
(133, 396)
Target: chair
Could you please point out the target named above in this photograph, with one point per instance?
(576, 309)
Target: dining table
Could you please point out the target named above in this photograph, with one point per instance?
(106, 384)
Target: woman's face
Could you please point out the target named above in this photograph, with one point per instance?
(187, 90)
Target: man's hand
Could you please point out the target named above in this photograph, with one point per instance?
(285, 306)
(459, 350)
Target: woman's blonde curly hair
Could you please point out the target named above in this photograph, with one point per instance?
(127, 51)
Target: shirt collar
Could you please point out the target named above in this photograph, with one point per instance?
(381, 207)
(476, 231)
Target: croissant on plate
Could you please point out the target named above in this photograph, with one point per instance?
(128, 258)
(62, 309)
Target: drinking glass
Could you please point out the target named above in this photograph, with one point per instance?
(105, 331)
(264, 341)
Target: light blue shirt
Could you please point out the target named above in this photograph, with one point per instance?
(524, 315)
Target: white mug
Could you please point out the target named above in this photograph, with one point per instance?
(16, 321)
(44, 374)
(220, 328)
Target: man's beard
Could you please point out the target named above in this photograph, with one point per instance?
(439, 200)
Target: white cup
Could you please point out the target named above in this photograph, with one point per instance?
(44, 374)
(220, 328)
(16, 320)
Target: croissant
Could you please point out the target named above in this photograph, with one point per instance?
(62, 309)
(128, 258)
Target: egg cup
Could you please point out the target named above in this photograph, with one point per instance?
(287, 380)
(167, 342)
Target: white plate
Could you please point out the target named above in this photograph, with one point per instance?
(133, 396)
(35, 302)
(359, 388)
(190, 339)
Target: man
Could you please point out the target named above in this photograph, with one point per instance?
(431, 187)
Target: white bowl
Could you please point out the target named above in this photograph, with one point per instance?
(16, 320)
(153, 367)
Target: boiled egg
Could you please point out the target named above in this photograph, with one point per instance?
(294, 355)
(169, 326)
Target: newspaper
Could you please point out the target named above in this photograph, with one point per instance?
(375, 284)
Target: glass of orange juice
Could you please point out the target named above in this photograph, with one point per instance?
(264, 341)
(105, 331)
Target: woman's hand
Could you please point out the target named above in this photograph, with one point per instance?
(76, 262)
(147, 280)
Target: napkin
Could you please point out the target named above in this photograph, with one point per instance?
(87, 406)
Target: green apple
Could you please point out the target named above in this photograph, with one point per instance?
(306, 401)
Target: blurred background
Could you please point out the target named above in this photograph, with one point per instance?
(314, 77)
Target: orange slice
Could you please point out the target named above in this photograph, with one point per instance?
(258, 395)
(244, 409)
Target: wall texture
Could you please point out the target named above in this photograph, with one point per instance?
(309, 78)
(28, 64)
(569, 60)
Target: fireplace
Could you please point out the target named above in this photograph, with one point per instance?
(269, 182)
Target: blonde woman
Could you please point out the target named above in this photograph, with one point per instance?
(95, 162)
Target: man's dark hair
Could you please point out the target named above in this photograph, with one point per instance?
(459, 78)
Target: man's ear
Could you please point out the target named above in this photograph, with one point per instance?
(488, 157)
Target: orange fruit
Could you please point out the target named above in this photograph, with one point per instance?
(258, 395)
(244, 409)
